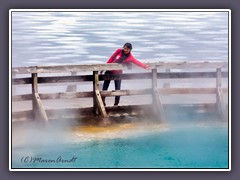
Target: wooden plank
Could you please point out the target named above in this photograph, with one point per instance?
(220, 105)
(41, 113)
(189, 64)
(126, 92)
(71, 95)
(95, 87)
(219, 95)
(157, 105)
(22, 116)
(34, 90)
(100, 104)
(67, 68)
(115, 66)
(34, 83)
(37, 107)
(59, 95)
(154, 86)
(20, 81)
(187, 91)
(65, 79)
(218, 78)
(167, 84)
(72, 88)
(126, 76)
(129, 76)
(24, 97)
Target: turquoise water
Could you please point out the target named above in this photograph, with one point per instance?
(181, 146)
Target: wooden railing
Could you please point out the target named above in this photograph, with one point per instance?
(160, 70)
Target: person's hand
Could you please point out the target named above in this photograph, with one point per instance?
(147, 67)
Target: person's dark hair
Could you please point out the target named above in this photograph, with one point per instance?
(128, 45)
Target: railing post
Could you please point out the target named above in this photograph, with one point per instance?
(95, 87)
(34, 90)
(37, 107)
(157, 105)
(219, 95)
(72, 88)
(167, 85)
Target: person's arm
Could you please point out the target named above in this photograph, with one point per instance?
(135, 61)
(111, 59)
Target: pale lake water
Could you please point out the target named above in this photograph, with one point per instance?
(49, 38)
(56, 38)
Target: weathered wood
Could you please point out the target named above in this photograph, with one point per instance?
(220, 104)
(219, 95)
(154, 85)
(66, 68)
(167, 84)
(96, 94)
(218, 77)
(72, 88)
(192, 64)
(100, 104)
(41, 113)
(125, 92)
(34, 83)
(95, 87)
(157, 105)
(187, 91)
(34, 90)
(26, 115)
(37, 107)
(115, 66)
(83, 78)
(97, 99)
(71, 95)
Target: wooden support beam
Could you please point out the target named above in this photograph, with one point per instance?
(157, 105)
(41, 113)
(167, 84)
(95, 87)
(220, 104)
(34, 90)
(72, 88)
(219, 96)
(37, 107)
(98, 105)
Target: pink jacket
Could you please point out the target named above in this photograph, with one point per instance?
(130, 59)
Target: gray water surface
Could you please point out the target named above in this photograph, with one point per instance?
(50, 38)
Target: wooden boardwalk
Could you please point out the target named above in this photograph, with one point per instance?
(74, 75)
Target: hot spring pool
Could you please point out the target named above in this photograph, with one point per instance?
(189, 145)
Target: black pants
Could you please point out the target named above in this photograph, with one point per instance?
(117, 87)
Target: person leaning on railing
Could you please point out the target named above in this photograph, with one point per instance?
(121, 55)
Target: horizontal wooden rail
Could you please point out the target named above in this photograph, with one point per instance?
(116, 66)
(130, 76)
(71, 95)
